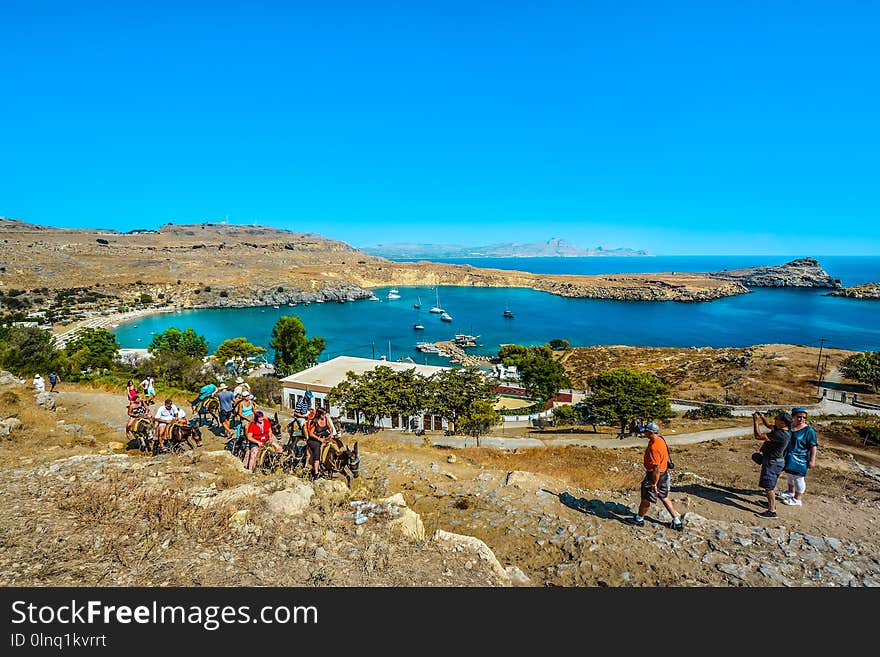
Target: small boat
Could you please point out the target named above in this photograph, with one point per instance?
(508, 313)
(427, 348)
(340, 300)
(418, 327)
(373, 297)
(393, 294)
(276, 307)
(418, 304)
(319, 301)
(445, 317)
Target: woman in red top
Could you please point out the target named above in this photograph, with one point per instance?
(259, 434)
(132, 390)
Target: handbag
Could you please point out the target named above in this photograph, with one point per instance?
(670, 465)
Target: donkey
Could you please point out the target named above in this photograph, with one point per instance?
(210, 406)
(179, 435)
(345, 462)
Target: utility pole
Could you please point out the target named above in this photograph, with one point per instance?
(819, 363)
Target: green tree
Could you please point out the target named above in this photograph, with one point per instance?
(27, 350)
(559, 345)
(452, 392)
(622, 395)
(237, 350)
(864, 368)
(182, 344)
(93, 348)
(478, 418)
(512, 354)
(293, 351)
(542, 375)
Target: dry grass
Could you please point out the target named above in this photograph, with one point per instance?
(764, 374)
(584, 467)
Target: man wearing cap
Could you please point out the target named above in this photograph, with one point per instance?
(226, 398)
(800, 457)
(772, 455)
(655, 485)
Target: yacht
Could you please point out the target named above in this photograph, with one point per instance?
(437, 309)
(319, 300)
(393, 294)
(418, 327)
(427, 348)
(276, 307)
(418, 304)
(508, 313)
(445, 317)
(373, 297)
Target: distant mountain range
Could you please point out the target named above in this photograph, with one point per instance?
(552, 248)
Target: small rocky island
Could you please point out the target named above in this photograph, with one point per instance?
(865, 291)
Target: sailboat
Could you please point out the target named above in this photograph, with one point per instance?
(418, 304)
(508, 313)
(437, 309)
(446, 317)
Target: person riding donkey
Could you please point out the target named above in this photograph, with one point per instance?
(207, 390)
(321, 439)
(137, 408)
(167, 415)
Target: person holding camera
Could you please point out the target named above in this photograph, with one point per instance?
(772, 455)
(655, 485)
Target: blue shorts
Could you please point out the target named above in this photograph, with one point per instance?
(770, 471)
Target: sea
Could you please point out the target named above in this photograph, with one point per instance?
(384, 328)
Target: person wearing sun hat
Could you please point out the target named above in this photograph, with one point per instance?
(799, 457)
(240, 386)
(655, 485)
(227, 402)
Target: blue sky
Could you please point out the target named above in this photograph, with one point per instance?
(678, 127)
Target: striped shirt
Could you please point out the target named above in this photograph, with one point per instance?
(302, 406)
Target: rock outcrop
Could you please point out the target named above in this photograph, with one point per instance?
(866, 291)
(804, 272)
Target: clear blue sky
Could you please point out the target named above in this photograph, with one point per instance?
(679, 127)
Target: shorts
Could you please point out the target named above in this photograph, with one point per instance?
(300, 421)
(770, 471)
(662, 487)
(224, 415)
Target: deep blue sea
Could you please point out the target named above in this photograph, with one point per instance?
(376, 328)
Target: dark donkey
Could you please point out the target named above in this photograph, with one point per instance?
(345, 462)
(179, 435)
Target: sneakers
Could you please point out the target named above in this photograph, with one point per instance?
(677, 526)
(767, 514)
(784, 494)
(791, 501)
(637, 523)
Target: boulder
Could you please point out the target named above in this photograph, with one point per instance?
(75, 429)
(290, 501)
(397, 500)
(333, 490)
(462, 543)
(519, 479)
(517, 577)
(7, 379)
(46, 400)
(409, 524)
(238, 520)
(13, 423)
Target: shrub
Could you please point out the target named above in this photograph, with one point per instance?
(708, 412)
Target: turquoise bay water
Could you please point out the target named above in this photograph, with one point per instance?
(375, 328)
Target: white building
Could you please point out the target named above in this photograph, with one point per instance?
(323, 377)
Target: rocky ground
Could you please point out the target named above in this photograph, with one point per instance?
(82, 511)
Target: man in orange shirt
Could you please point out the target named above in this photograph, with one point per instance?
(655, 485)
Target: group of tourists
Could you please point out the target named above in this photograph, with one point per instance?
(790, 446)
(39, 382)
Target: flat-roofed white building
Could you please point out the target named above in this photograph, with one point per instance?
(323, 377)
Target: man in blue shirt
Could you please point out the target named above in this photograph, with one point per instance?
(205, 391)
(226, 398)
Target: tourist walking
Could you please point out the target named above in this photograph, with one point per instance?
(149, 388)
(54, 380)
(226, 397)
(131, 390)
(39, 383)
(772, 455)
(799, 457)
(655, 485)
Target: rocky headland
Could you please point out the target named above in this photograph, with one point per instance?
(803, 272)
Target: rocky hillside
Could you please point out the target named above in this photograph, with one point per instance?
(804, 272)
